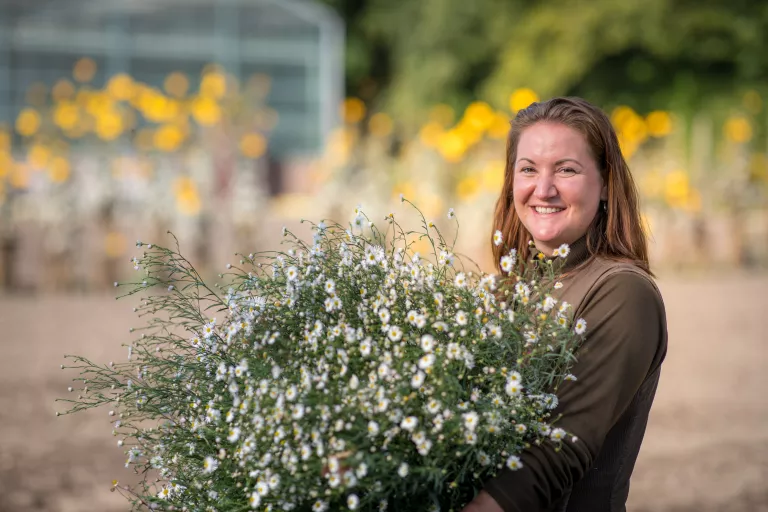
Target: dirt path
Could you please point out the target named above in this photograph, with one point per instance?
(706, 448)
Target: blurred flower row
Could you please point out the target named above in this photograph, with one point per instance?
(456, 157)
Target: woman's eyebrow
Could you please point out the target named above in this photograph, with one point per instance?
(561, 161)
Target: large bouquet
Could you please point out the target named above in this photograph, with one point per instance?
(349, 373)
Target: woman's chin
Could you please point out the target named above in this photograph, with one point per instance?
(546, 236)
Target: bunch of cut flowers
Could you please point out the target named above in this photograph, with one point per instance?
(349, 373)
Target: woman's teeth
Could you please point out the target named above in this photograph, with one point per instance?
(541, 209)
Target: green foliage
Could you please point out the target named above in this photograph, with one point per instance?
(649, 54)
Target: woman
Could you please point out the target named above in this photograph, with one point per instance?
(567, 183)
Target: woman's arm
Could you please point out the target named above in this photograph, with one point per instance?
(626, 340)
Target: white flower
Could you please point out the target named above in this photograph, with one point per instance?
(581, 326)
(471, 419)
(234, 435)
(548, 304)
(365, 347)
(418, 379)
(513, 388)
(483, 459)
(557, 434)
(498, 239)
(330, 286)
(319, 506)
(291, 273)
(507, 263)
(254, 500)
(433, 406)
(395, 333)
(361, 470)
(208, 331)
(562, 251)
(453, 351)
(451, 213)
(409, 423)
(403, 470)
(164, 493)
(494, 330)
(514, 463)
(521, 428)
(210, 464)
(427, 343)
(461, 318)
(353, 502)
(460, 280)
(558, 285)
(384, 316)
(373, 428)
(426, 361)
(522, 289)
(262, 488)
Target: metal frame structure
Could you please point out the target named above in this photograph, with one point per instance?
(298, 38)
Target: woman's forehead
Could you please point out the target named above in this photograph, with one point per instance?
(550, 143)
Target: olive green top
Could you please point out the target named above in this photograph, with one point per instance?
(607, 406)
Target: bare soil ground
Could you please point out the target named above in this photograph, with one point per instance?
(706, 448)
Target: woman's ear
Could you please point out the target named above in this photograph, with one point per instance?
(604, 193)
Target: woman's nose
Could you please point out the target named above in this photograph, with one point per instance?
(545, 186)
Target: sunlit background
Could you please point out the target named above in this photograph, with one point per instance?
(224, 120)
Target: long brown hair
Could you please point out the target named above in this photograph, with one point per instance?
(616, 232)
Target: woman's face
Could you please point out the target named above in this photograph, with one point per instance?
(557, 185)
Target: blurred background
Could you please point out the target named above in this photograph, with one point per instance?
(224, 120)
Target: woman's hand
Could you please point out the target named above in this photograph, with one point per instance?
(483, 503)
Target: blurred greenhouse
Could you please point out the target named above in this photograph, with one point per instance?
(153, 113)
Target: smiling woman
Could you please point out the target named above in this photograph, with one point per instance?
(558, 185)
(568, 190)
(564, 154)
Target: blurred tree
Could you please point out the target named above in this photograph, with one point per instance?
(650, 54)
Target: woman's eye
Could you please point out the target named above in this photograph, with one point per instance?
(527, 170)
(567, 170)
